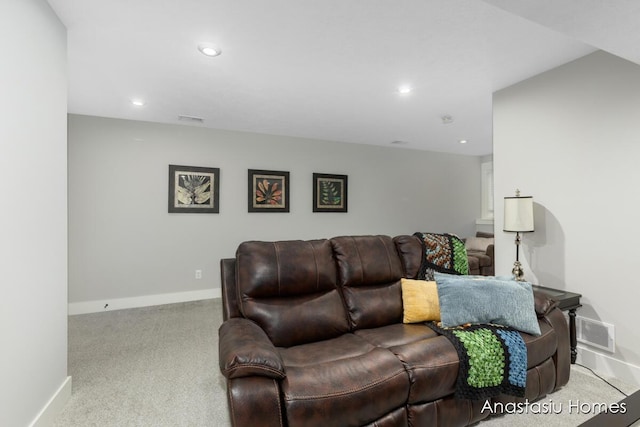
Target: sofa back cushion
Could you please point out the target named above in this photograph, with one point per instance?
(369, 273)
(289, 289)
(411, 254)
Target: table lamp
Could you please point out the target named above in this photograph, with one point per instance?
(518, 218)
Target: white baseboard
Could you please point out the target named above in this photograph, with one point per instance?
(96, 306)
(54, 406)
(608, 366)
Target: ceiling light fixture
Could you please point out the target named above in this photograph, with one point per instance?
(403, 90)
(463, 141)
(209, 49)
(138, 102)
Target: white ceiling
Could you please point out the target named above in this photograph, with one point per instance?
(330, 69)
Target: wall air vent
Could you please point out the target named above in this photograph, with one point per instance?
(192, 119)
(595, 333)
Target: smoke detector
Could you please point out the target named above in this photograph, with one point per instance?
(447, 119)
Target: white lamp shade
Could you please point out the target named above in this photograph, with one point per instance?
(518, 214)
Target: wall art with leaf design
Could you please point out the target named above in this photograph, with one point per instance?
(329, 192)
(194, 189)
(268, 191)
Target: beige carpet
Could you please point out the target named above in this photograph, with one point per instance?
(153, 366)
(158, 366)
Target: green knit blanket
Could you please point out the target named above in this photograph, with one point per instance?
(445, 253)
(492, 360)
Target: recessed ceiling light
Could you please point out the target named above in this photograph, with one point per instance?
(138, 102)
(447, 119)
(403, 90)
(209, 49)
(463, 141)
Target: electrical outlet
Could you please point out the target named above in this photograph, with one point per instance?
(198, 274)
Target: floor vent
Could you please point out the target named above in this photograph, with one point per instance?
(595, 333)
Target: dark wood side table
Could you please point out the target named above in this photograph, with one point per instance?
(618, 419)
(567, 301)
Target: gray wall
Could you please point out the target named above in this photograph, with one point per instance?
(571, 139)
(124, 244)
(33, 229)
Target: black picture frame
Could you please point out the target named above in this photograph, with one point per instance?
(194, 189)
(268, 191)
(330, 192)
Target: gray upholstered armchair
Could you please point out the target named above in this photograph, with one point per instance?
(480, 253)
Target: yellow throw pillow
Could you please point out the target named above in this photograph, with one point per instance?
(420, 301)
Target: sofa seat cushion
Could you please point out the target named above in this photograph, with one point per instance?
(432, 364)
(397, 334)
(397, 418)
(344, 347)
(430, 359)
(355, 384)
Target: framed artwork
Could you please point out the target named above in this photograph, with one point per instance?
(194, 189)
(268, 191)
(329, 193)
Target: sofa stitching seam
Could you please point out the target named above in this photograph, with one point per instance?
(315, 261)
(442, 365)
(255, 365)
(386, 249)
(277, 390)
(275, 247)
(231, 406)
(350, 391)
(355, 245)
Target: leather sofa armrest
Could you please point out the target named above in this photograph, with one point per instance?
(543, 303)
(230, 307)
(490, 252)
(245, 350)
(255, 401)
(562, 358)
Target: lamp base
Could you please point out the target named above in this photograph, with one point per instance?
(517, 271)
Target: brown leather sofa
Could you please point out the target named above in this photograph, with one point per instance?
(313, 336)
